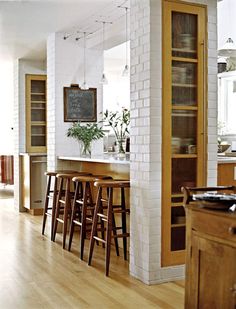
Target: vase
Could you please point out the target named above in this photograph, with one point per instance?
(85, 149)
(121, 147)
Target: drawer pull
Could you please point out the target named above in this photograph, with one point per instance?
(232, 230)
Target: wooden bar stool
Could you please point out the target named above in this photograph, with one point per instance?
(83, 207)
(51, 194)
(112, 209)
(63, 204)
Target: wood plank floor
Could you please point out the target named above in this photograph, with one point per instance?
(37, 273)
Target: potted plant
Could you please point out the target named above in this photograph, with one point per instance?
(119, 122)
(85, 134)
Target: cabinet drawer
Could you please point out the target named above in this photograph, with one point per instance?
(215, 225)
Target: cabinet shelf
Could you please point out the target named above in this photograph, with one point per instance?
(183, 114)
(184, 156)
(184, 50)
(38, 123)
(38, 93)
(184, 85)
(183, 59)
(184, 107)
(177, 204)
(40, 101)
(178, 225)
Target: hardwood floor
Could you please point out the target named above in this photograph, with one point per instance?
(37, 273)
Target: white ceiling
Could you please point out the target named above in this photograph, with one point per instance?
(26, 24)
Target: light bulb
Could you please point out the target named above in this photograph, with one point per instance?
(84, 86)
(125, 72)
(104, 80)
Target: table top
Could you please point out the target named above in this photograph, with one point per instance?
(104, 158)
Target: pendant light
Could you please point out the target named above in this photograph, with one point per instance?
(125, 72)
(228, 49)
(104, 80)
(84, 85)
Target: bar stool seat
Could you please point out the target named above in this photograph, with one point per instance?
(63, 203)
(83, 208)
(51, 193)
(107, 218)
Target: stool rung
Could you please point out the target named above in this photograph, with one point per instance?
(48, 214)
(120, 211)
(60, 220)
(99, 239)
(121, 235)
(77, 222)
(102, 216)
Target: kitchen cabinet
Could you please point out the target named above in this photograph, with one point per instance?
(36, 113)
(184, 118)
(226, 174)
(33, 182)
(211, 256)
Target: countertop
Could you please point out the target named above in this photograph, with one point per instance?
(33, 154)
(104, 158)
(226, 158)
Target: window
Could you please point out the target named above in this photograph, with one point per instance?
(227, 103)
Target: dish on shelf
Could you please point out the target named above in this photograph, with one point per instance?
(216, 201)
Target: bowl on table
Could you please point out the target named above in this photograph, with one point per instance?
(223, 147)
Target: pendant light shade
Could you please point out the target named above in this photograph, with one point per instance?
(125, 72)
(84, 86)
(228, 49)
(104, 80)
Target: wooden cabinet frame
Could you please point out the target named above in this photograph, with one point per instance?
(178, 257)
(28, 94)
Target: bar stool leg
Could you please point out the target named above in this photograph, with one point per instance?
(94, 226)
(123, 220)
(57, 208)
(54, 202)
(46, 204)
(73, 214)
(66, 212)
(109, 230)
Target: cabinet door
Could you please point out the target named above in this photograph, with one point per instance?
(213, 280)
(183, 119)
(36, 113)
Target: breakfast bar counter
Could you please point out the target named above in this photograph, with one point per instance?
(104, 158)
(108, 164)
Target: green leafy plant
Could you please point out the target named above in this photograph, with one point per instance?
(119, 122)
(85, 133)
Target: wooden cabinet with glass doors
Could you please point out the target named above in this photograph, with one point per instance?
(35, 113)
(184, 83)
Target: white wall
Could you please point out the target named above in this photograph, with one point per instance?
(226, 21)
(6, 116)
(64, 67)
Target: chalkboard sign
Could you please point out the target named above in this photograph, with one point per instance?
(80, 105)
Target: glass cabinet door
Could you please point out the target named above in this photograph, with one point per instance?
(36, 113)
(183, 105)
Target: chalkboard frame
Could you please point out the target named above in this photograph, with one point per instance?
(69, 116)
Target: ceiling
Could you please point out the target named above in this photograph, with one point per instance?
(26, 24)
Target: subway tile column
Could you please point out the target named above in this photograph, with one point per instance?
(146, 135)
(65, 67)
